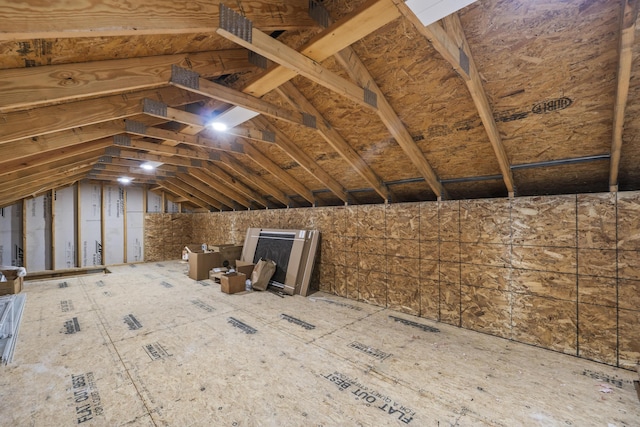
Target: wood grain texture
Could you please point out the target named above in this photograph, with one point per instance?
(429, 222)
(449, 303)
(629, 294)
(450, 272)
(486, 310)
(327, 277)
(372, 287)
(628, 213)
(497, 255)
(545, 322)
(352, 283)
(449, 218)
(598, 290)
(558, 259)
(429, 270)
(408, 248)
(429, 299)
(597, 338)
(629, 338)
(484, 276)
(430, 249)
(401, 266)
(485, 221)
(597, 221)
(371, 221)
(340, 285)
(544, 221)
(371, 245)
(450, 251)
(629, 265)
(544, 284)
(597, 262)
(371, 262)
(403, 221)
(403, 293)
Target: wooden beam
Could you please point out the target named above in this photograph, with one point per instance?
(216, 173)
(303, 159)
(254, 179)
(33, 20)
(163, 158)
(174, 186)
(474, 85)
(452, 45)
(358, 72)
(219, 187)
(52, 183)
(292, 95)
(364, 20)
(628, 18)
(192, 82)
(39, 162)
(195, 187)
(52, 163)
(280, 53)
(52, 84)
(56, 118)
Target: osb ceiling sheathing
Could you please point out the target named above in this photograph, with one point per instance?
(502, 98)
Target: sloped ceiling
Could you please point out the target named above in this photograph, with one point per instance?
(359, 102)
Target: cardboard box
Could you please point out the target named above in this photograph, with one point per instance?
(232, 283)
(216, 273)
(189, 249)
(13, 285)
(244, 267)
(218, 248)
(201, 263)
(229, 253)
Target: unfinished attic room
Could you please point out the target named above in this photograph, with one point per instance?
(320, 213)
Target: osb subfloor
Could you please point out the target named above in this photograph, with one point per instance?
(147, 346)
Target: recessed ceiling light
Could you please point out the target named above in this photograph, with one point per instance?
(124, 180)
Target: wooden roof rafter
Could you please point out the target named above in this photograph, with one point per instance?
(628, 18)
(451, 43)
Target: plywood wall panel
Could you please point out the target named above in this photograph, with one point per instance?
(545, 322)
(403, 221)
(598, 290)
(450, 251)
(497, 255)
(449, 217)
(486, 310)
(449, 307)
(429, 222)
(629, 265)
(154, 237)
(485, 221)
(597, 262)
(340, 285)
(629, 294)
(557, 259)
(629, 338)
(597, 337)
(429, 270)
(544, 221)
(372, 287)
(327, 277)
(628, 214)
(429, 299)
(597, 221)
(404, 293)
(403, 248)
(430, 249)
(352, 283)
(372, 262)
(349, 226)
(371, 245)
(484, 276)
(450, 272)
(409, 267)
(544, 284)
(371, 221)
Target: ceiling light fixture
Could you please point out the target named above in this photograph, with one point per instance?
(149, 166)
(124, 180)
(218, 126)
(431, 11)
(232, 118)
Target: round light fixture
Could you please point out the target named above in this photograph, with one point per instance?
(147, 166)
(124, 180)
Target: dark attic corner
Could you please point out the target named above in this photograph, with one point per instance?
(287, 213)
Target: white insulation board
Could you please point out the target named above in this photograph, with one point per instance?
(135, 224)
(65, 230)
(11, 235)
(38, 233)
(113, 248)
(90, 224)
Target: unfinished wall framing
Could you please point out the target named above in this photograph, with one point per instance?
(558, 272)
